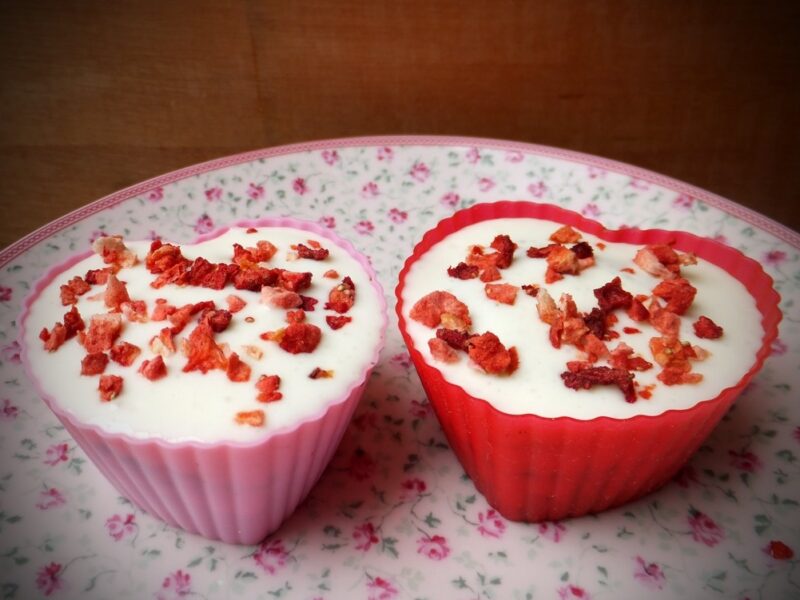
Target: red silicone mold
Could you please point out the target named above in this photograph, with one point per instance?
(232, 491)
(532, 468)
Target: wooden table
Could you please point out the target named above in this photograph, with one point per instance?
(95, 95)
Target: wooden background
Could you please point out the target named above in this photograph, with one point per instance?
(97, 95)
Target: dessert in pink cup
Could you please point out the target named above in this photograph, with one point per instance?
(211, 382)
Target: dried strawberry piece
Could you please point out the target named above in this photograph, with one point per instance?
(331, 274)
(670, 351)
(489, 353)
(504, 293)
(543, 252)
(267, 386)
(677, 376)
(97, 276)
(622, 358)
(253, 418)
(582, 250)
(304, 251)
(596, 322)
(206, 274)
(308, 303)
(218, 319)
(586, 377)
(490, 274)
(116, 293)
(342, 297)
(295, 316)
(135, 311)
(453, 338)
(103, 331)
(153, 368)
(318, 373)
(631, 330)
(337, 321)
(177, 274)
(235, 303)
(294, 282)
(463, 271)
(505, 251)
(253, 351)
(251, 230)
(202, 352)
(546, 307)
(181, 318)
(73, 322)
(594, 347)
(300, 337)
(72, 289)
(707, 329)
(237, 370)
(164, 257)
(245, 257)
(114, 252)
(532, 290)
(162, 310)
(612, 296)
(678, 293)
(94, 363)
(565, 235)
(441, 308)
(280, 298)
(124, 353)
(54, 338)
(441, 351)
(562, 260)
(110, 386)
(573, 331)
(163, 343)
(637, 311)
(665, 322)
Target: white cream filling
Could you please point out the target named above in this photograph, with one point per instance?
(536, 387)
(201, 407)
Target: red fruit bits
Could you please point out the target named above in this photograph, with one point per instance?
(124, 353)
(488, 352)
(110, 386)
(300, 337)
(501, 292)
(253, 418)
(153, 368)
(707, 329)
(342, 297)
(103, 331)
(94, 363)
(267, 386)
(441, 308)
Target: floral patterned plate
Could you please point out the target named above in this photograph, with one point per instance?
(394, 516)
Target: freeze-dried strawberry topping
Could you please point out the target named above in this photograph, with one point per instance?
(342, 297)
(280, 298)
(318, 373)
(300, 337)
(622, 358)
(248, 258)
(532, 290)
(110, 386)
(665, 322)
(611, 296)
(203, 273)
(441, 308)
(94, 363)
(308, 303)
(674, 356)
(235, 303)
(217, 319)
(72, 289)
(582, 250)
(253, 418)
(177, 274)
(454, 338)
(163, 343)
(97, 276)
(441, 351)
(181, 317)
(124, 353)
(237, 370)
(505, 251)
(582, 376)
(254, 279)
(489, 353)
(114, 252)
(162, 257)
(103, 330)
(116, 293)
(543, 252)
(294, 282)
(54, 338)
(463, 271)
(162, 310)
(662, 260)
(202, 352)
(153, 368)
(304, 251)
(706, 328)
(637, 311)
(560, 261)
(295, 316)
(337, 321)
(631, 330)
(596, 322)
(490, 274)
(504, 293)
(331, 274)
(678, 293)
(135, 311)
(73, 322)
(267, 386)
(565, 235)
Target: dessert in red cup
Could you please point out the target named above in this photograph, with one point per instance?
(575, 368)
(209, 382)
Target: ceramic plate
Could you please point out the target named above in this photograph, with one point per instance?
(394, 516)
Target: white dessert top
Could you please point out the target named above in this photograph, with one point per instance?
(645, 341)
(275, 348)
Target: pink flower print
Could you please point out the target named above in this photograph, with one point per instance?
(649, 575)
(435, 547)
(5, 293)
(491, 524)
(156, 195)
(364, 227)
(796, 434)
(255, 192)
(473, 156)
(485, 184)
(704, 529)
(365, 537)
(538, 189)
(50, 498)
(175, 585)
(370, 190)
(420, 171)
(686, 476)
(591, 210)
(402, 360)
(11, 353)
(380, 589)
(385, 153)
(328, 221)
(775, 257)
(361, 465)
(48, 578)
(96, 234)
(367, 420)
(420, 410)
(450, 199)
(515, 156)
(8, 412)
(778, 550)
(271, 556)
(568, 592)
(299, 186)
(638, 184)
(596, 172)
(745, 461)
(55, 454)
(214, 193)
(119, 527)
(331, 157)
(779, 347)
(397, 216)
(204, 224)
(683, 201)
(411, 489)
(552, 530)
